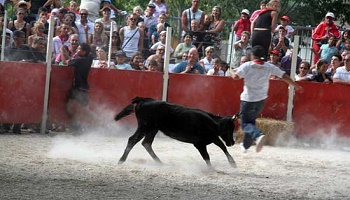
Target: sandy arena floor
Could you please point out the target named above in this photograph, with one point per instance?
(67, 166)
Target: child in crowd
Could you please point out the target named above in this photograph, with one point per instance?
(120, 61)
(155, 34)
(284, 20)
(216, 70)
(327, 50)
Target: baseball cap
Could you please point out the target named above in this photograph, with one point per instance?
(330, 14)
(258, 51)
(246, 11)
(105, 7)
(120, 53)
(151, 5)
(285, 18)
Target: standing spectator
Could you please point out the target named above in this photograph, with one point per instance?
(98, 37)
(20, 24)
(286, 61)
(155, 34)
(254, 95)
(284, 20)
(328, 50)
(190, 66)
(85, 27)
(241, 25)
(197, 37)
(106, 20)
(161, 8)
(131, 37)
(322, 32)
(149, 18)
(256, 13)
(184, 46)
(341, 42)
(93, 8)
(342, 74)
(38, 31)
(108, 3)
(161, 42)
(216, 30)
(61, 39)
(241, 48)
(189, 14)
(264, 24)
(35, 7)
(139, 12)
(281, 43)
(274, 58)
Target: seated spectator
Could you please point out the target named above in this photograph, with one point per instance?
(152, 65)
(184, 56)
(38, 31)
(284, 20)
(241, 48)
(139, 12)
(346, 48)
(335, 63)
(37, 51)
(274, 58)
(327, 50)
(120, 61)
(136, 61)
(101, 61)
(184, 46)
(224, 67)
(197, 36)
(16, 51)
(304, 74)
(67, 52)
(158, 56)
(98, 37)
(161, 19)
(319, 63)
(342, 74)
(162, 40)
(281, 43)
(286, 61)
(191, 65)
(241, 25)
(321, 76)
(244, 59)
(155, 34)
(216, 70)
(208, 61)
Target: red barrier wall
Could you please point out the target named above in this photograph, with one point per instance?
(21, 92)
(321, 108)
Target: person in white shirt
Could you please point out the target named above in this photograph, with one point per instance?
(85, 27)
(342, 74)
(256, 75)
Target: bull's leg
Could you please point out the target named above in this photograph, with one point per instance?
(147, 143)
(230, 159)
(134, 139)
(203, 151)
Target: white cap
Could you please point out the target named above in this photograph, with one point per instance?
(246, 11)
(330, 14)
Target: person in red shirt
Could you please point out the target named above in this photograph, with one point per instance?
(323, 31)
(243, 24)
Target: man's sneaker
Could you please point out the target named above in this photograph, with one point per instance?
(260, 141)
(243, 149)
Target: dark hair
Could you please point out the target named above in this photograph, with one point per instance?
(338, 56)
(188, 33)
(85, 47)
(320, 63)
(42, 9)
(258, 52)
(264, 2)
(18, 33)
(307, 64)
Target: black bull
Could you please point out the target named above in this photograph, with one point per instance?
(182, 123)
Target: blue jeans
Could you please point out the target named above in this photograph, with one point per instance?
(249, 111)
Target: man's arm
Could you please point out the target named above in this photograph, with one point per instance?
(288, 80)
(234, 75)
(340, 81)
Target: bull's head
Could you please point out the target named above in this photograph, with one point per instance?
(227, 128)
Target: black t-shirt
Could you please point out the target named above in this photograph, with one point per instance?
(82, 68)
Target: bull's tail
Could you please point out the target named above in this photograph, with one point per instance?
(125, 112)
(131, 107)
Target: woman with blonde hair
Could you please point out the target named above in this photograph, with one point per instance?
(216, 28)
(208, 61)
(98, 37)
(38, 31)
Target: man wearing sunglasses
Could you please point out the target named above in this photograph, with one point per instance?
(85, 27)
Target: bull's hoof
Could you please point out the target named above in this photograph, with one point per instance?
(121, 162)
(233, 165)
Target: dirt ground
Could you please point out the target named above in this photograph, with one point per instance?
(69, 166)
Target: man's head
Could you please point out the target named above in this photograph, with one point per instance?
(39, 44)
(18, 37)
(160, 50)
(336, 60)
(195, 4)
(258, 52)
(284, 20)
(83, 14)
(74, 40)
(192, 55)
(120, 57)
(83, 50)
(347, 61)
(329, 18)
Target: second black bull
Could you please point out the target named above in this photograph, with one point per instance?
(182, 123)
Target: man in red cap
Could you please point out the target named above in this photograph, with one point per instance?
(323, 31)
